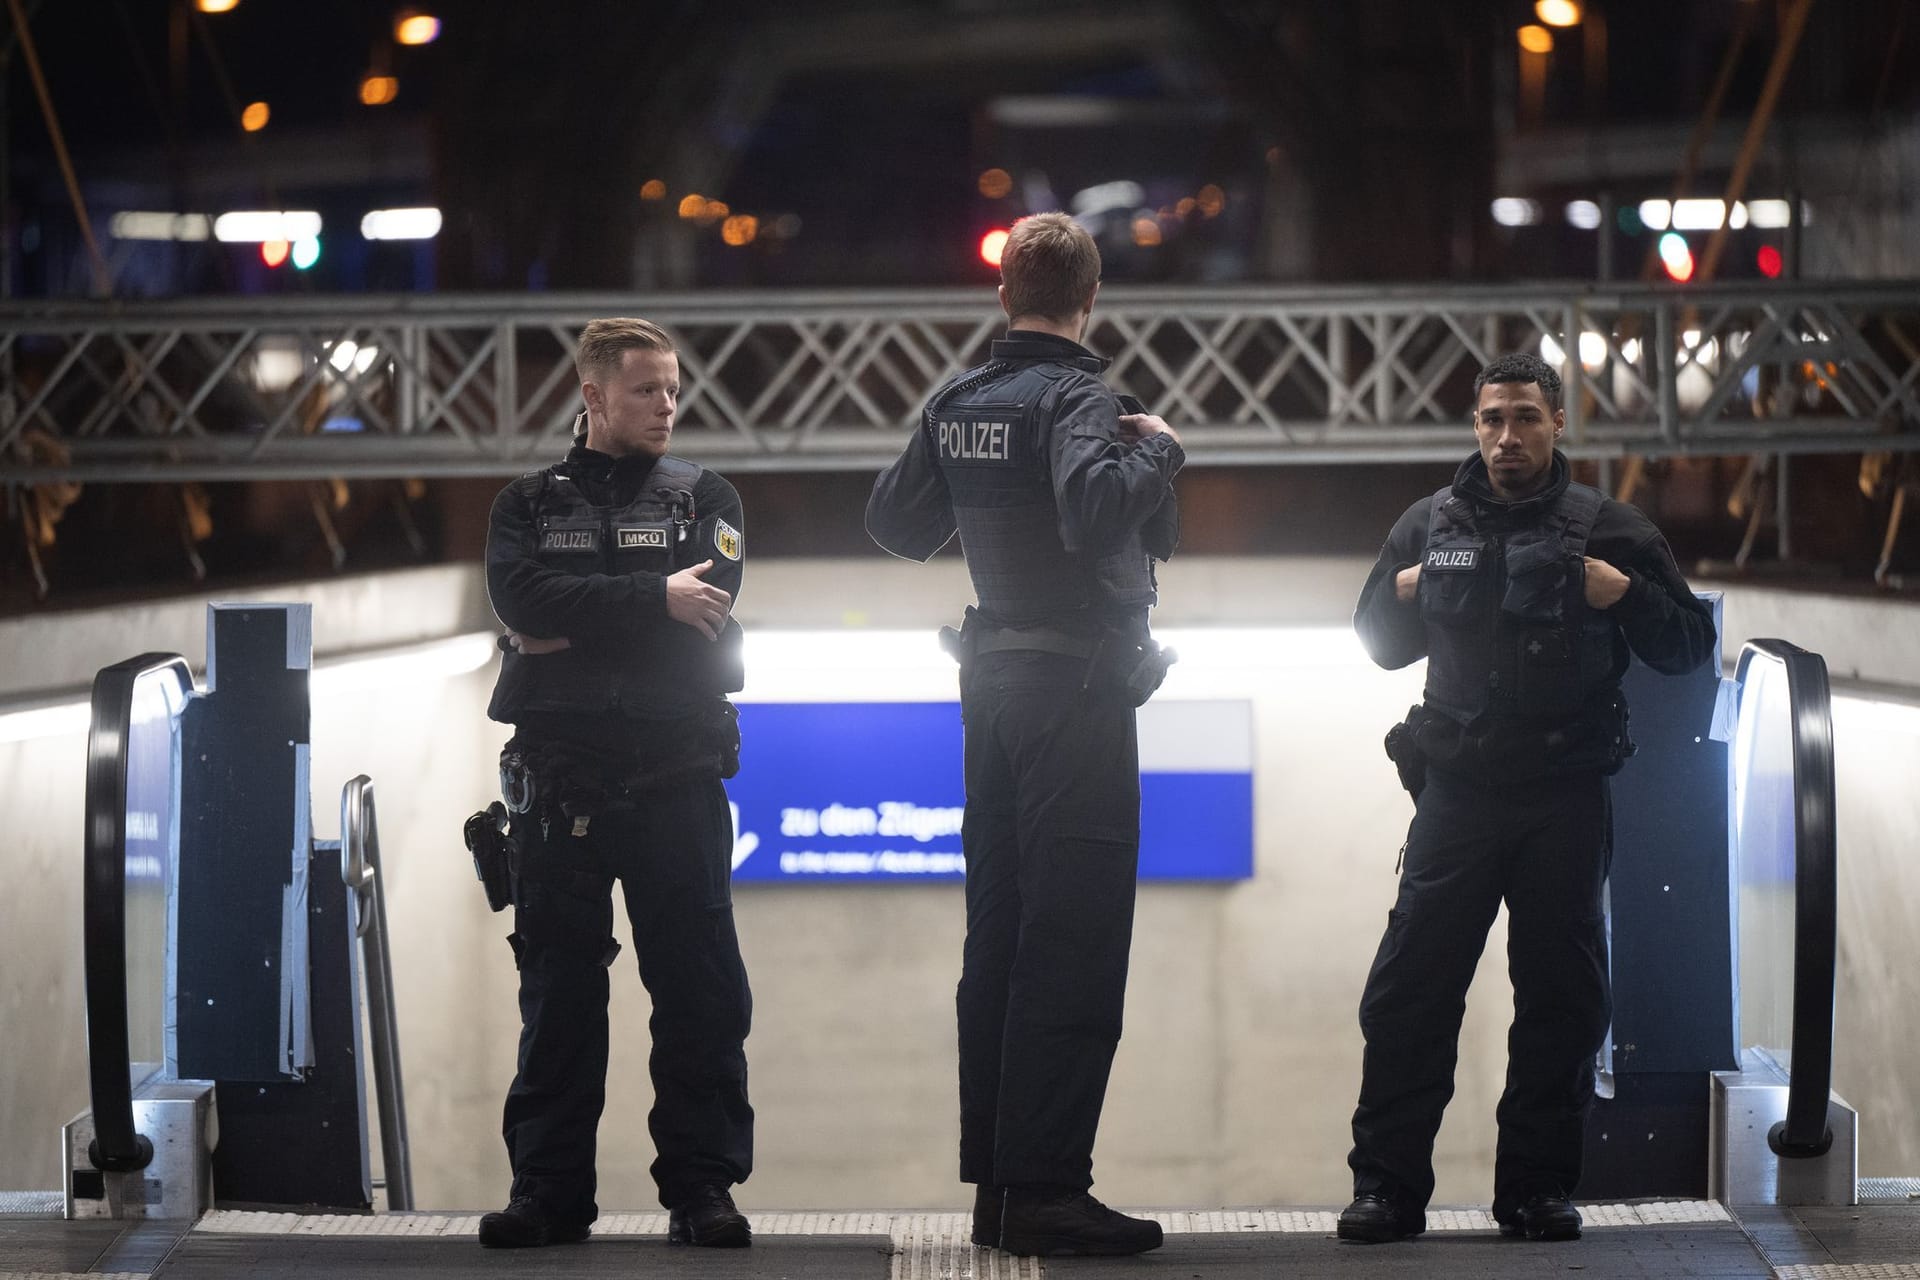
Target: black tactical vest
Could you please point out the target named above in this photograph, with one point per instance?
(1509, 630)
(669, 671)
(986, 429)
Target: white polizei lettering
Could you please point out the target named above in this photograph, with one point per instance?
(984, 441)
(1451, 559)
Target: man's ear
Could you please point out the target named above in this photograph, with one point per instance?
(1559, 422)
(1003, 302)
(595, 398)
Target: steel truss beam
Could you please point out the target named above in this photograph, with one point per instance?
(441, 385)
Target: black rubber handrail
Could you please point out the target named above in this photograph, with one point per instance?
(116, 1146)
(1815, 896)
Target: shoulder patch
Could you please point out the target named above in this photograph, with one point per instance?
(726, 539)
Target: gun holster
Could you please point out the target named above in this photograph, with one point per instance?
(1409, 761)
(492, 850)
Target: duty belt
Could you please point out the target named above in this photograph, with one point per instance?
(1041, 639)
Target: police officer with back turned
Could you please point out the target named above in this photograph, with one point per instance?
(615, 573)
(1062, 502)
(1525, 592)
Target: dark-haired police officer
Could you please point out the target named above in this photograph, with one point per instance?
(1525, 593)
(1061, 504)
(615, 573)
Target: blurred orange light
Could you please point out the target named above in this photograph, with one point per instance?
(692, 205)
(378, 91)
(1211, 200)
(653, 189)
(1536, 39)
(411, 26)
(715, 210)
(1146, 232)
(1185, 207)
(992, 245)
(274, 252)
(1557, 13)
(995, 183)
(740, 229)
(255, 117)
(216, 6)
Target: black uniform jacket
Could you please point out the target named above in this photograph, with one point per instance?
(1659, 618)
(1107, 493)
(617, 621)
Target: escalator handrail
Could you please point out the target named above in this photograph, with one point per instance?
(360, 870)
(1815, 895)
(116, 1147)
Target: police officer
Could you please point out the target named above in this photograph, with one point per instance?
(615, 573)
(1061, 503)
(1525, 593)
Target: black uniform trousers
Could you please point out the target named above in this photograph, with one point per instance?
(673, 856)
(1052, 837)
(1544, 847)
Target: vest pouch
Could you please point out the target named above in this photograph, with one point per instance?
(1543, 582)
(644, 546)
(1450, 583)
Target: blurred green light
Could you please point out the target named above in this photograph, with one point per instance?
(1628, 217)
(306, 252)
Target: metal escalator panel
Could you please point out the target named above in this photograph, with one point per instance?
(1782, 823)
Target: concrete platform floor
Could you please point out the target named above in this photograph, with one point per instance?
(1644, 1241)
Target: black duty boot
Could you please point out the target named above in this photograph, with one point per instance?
(1375, 1219)
(1042, 1223)
(1545, 1216)
(986, 1215)
(523, 1224)
(708, 1218)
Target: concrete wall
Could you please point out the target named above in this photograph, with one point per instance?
(1236, 1077)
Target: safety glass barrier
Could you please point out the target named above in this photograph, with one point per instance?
(131, 851)
(1782, 824)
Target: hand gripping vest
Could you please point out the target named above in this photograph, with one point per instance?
(1509, 630)
(669, 671)
(983, 429)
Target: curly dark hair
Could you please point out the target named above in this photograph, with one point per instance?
(1521, 366)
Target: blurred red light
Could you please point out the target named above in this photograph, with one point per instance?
(992, 245)
(274, 252)
(1768, 260)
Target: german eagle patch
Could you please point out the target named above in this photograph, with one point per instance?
(726, 539)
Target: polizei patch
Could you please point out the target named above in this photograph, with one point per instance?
(1453, 559)
(570, 540)
(726, 539)
(644, 537)
(975, 441)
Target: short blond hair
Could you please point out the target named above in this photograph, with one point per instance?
(605, 343)
(1049, 266)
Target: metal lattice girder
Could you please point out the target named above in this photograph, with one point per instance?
(356, 386)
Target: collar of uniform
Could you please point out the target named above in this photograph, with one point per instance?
(595, 465)
(1031, 344)
(1470, 483)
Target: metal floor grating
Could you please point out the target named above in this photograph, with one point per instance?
(32, 1204)
(1888, 1190)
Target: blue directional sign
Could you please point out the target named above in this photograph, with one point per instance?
(845, 791)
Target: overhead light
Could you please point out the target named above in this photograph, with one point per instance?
(411, 26)
(1511, 211)
(1655, 215)
(1584, 214)
(142, 225)
(256, 226)
(216, 6)
(1093, 201)
(255, 117)
(1557, 13)
(1535, 39)
(401, 224)
(1698, 215)
(1770, 214)
(996, 183)
(379, 90)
